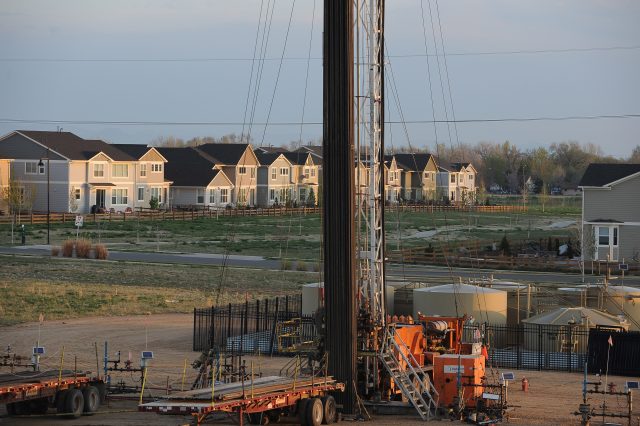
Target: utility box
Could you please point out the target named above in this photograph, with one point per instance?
(445, 377)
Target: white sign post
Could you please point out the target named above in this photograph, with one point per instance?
(79, 223)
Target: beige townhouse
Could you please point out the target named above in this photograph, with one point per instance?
(240, 164)
(5, 167)
(305, 177)
(418, 180)
(275, 180)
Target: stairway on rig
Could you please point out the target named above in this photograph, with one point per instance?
(408, 375)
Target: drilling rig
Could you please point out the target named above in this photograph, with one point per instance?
(374, 356)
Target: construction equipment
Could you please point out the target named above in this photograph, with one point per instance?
(71, 393)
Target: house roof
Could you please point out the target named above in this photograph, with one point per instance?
(584, 316)
(268, 149)
(268, 158)
(315, 151)
(297, 158)
(74, 147)
(459, 166)
(225, 153)
(604, 174)
(186, 167)
(413, 162)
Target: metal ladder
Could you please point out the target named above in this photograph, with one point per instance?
(423, 397)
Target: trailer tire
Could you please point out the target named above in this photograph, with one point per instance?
(74, 403)
(258, 419)
(38, 406)
(302, 411)
(91, 399)
(315, 412)
(329, 409)
(61, 396)
(12, 409)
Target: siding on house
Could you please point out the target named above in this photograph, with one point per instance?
(611, 202)
(5, 175)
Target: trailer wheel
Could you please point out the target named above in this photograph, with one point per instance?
(38, 406)
(329, 405)
(258, 419)
(12, 408)
(61, 396)
(314, 412)
(74, 403)
(302, 411)
(91, 399)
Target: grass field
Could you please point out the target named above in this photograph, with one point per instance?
(69, 288)
(299, 237)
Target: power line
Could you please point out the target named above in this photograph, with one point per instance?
(304, 58)
(312, 123)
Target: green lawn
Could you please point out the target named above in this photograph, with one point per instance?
(298, 237)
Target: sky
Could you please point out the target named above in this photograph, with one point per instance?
(183, 68)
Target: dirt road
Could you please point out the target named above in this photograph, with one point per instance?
(551, 399)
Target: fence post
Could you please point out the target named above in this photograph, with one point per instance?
(274, 327)
(519, 341)
(540, 352)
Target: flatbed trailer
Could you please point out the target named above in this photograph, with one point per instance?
(267, 397)
(32, 392)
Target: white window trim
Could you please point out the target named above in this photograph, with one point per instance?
(138, 193)
(125, 166)
(224, 195)
(143, 169)
(155, 166)
(93, 167)
(611, 229)
(31, 163)
(284, 171)
(242, 170)
(274, 173)
(125, 191)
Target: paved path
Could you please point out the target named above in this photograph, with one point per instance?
(395, 272)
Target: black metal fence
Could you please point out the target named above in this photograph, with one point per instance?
(534, 346)
(249, 327)
(623, 356)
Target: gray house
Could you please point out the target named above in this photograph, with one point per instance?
(611, 212)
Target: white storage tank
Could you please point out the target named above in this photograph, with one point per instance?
(519, 299)
(623, 300)
(313, 295)
(484, 304)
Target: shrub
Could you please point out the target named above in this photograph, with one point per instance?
(301, 265)
(67, 248)
(55, 251)
(285, 264)
(101, 251)
(83, 248)
(505, 248)
(316, 267)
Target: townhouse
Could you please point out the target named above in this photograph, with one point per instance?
(457, 183)
(240, 164)
(418, 180)
(305, 176)
(149, 178)
(392, 179)
(75, 174)
(275, 181)
(196, 180)
(611, 212)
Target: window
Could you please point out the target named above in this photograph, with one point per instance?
(156, 168)
(120, 170)
(303, 195)
(306, 172)
(157, 194)
(242, 170)
(143, 170)
(453, 178)
(98, 170)
(212, 196)
(140, 193)
(274, 173)
(119, 196)
(284, 171)
(272, 194)
(253, 172)
(76, 193)
(31, 168)
(224, 196)
(470, 177)
(603, 236)
(615, 236)
(313, 172)
(41, 168)
(199, 196)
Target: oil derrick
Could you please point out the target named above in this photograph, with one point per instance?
(338, 196)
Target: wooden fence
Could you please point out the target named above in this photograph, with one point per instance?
(151, 215)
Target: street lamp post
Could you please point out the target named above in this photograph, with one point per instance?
(41, 164)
